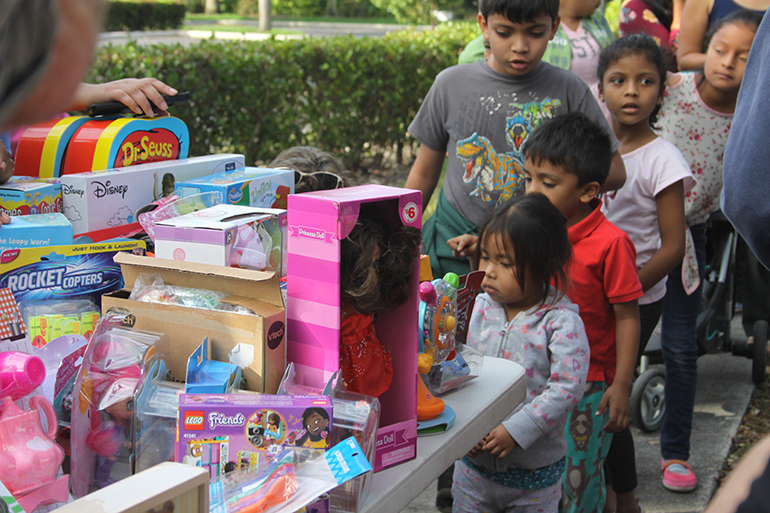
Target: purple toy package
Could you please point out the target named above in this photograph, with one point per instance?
(225, 432)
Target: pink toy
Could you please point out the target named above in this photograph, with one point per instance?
(29, 459)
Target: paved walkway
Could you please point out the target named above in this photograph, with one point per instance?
(189, 34)
(723, 394)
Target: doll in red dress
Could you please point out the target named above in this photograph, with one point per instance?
(377, 266)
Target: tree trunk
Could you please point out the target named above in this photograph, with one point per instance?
(265, 22)
(331, 7)
(212, 7)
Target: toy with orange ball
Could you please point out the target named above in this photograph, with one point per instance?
(438, 305)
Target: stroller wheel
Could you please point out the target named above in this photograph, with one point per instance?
(759, 353)
(648, 401)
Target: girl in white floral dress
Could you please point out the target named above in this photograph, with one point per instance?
(696, 115)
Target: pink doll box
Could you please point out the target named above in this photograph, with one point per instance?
(224, 432)
(228, 235)
(318, 221)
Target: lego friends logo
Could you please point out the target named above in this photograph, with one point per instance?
(217, 419)
(147, 146)
(193, 420)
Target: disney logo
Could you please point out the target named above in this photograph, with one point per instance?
(107, 189)
(69, 189)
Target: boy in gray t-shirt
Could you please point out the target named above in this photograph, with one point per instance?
(478, 115)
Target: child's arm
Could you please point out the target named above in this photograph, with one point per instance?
(616, 398)
(134, 93)
(425, 172)
(671, 225)
(477, 449)
(695, 21)
(463, 245)
(617, 176)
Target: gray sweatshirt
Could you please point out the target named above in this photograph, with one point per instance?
(551, 344)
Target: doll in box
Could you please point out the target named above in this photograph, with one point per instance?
(376, 266)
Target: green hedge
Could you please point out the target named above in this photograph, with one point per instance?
(354, 97)
(144, 16)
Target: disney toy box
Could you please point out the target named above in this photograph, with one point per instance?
(250, 186)
(103, 204)
(24, 195)
(35, 231)
(318, 222)
(224, 432)
(229, 235)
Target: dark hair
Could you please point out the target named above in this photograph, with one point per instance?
(574, 143)
(274, 418)
(535, 239)
(305, 416)
(745, 17)
(374, 287)
(314, 169)
(634, 44)
(519, 11)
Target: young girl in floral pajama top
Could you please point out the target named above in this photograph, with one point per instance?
(523, 248)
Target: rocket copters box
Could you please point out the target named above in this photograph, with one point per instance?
(35, 231)
(61, 272)
(250, 186)
(24, 195)
(101, 200)
(224, 432)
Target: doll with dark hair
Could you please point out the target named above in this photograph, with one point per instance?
(377, 267)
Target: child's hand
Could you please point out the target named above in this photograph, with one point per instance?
(499, 442)
(476, 450)
(616, 398)
(463, 245)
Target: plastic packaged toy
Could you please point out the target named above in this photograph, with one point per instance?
(103, 404)
(150, 288)
(51, 318)
(155, 413)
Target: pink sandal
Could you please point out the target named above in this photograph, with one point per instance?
(678, 476)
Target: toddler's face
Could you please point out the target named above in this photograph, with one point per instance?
(726, 57)
(517, 48)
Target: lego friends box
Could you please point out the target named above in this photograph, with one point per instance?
(318, 222)
(224, 432)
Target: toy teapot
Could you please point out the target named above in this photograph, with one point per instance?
(29, 459)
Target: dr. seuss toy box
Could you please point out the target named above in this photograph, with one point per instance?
(318, 222)
(229, 235)
(250, 186)
(224, 432)
(78, 144)
(36, 231)
(24, 195)
(105, 201)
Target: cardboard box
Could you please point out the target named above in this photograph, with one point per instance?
(63, 272)
(318, 221)
(100, 200)
(229, 235)
(223, 432)
(35, 231)
(24, 195)
(185, 328)
(250, 186)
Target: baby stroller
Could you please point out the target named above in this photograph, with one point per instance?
(718, 306)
